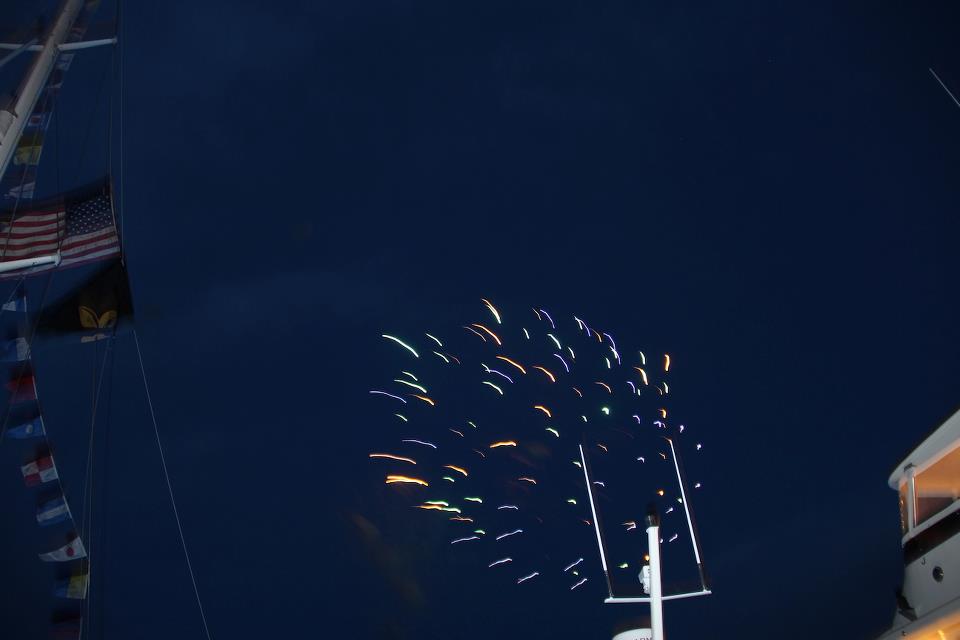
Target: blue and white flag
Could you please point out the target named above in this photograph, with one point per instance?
(15, 350)
(18, 302)
(31, 429)
(53, 512)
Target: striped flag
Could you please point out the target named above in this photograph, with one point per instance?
(71, 551)
(52, 512)
(80, 226)
(39, 471)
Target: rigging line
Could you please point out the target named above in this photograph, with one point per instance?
(686, 508)
(87, 504)
(86, 522)
(13, 212)
(13, 292)
(114, 57)
(113, 77)
(56, 148)
(32, 329)
(166, 475)
(46, 437)
(105, 483)
(596, 520)
(26, 166)
(123, 203)
(86, 526)
(949, 93)
(90, 121)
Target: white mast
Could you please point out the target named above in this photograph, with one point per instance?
(14, 118)
(655, 589)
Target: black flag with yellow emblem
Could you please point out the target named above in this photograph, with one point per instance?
(95, 310)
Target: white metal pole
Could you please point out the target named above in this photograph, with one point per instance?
(911, 497)
(656, 591)
(596, 522)
(14, 118)
(26, 263)
(686, 510)
(27, 46)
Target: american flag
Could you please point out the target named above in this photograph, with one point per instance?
(81, 228)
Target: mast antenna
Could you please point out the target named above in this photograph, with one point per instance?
(651, 575)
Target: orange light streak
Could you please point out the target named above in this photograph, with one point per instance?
(544, 409)
(489, 333)
(390, 456)
(517, 365)
(392, 479)
(549, 375)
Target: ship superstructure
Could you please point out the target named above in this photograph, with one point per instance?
(928, 482)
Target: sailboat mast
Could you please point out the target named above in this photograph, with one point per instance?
(13, 118)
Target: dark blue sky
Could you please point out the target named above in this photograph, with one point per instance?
(765, 190)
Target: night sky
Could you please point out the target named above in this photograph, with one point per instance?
(765, 190)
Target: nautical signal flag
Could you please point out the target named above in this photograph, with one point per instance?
(95, 310)
(15, 350)
(39, 471)
(17, 302)
(71, 551)
(52, 512)
(19, 184)
(29, 150)
(32, 429)
(22, 389)
(74, 587)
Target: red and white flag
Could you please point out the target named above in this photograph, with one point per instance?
(39, 471)
(22, 389)
(72, 551)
